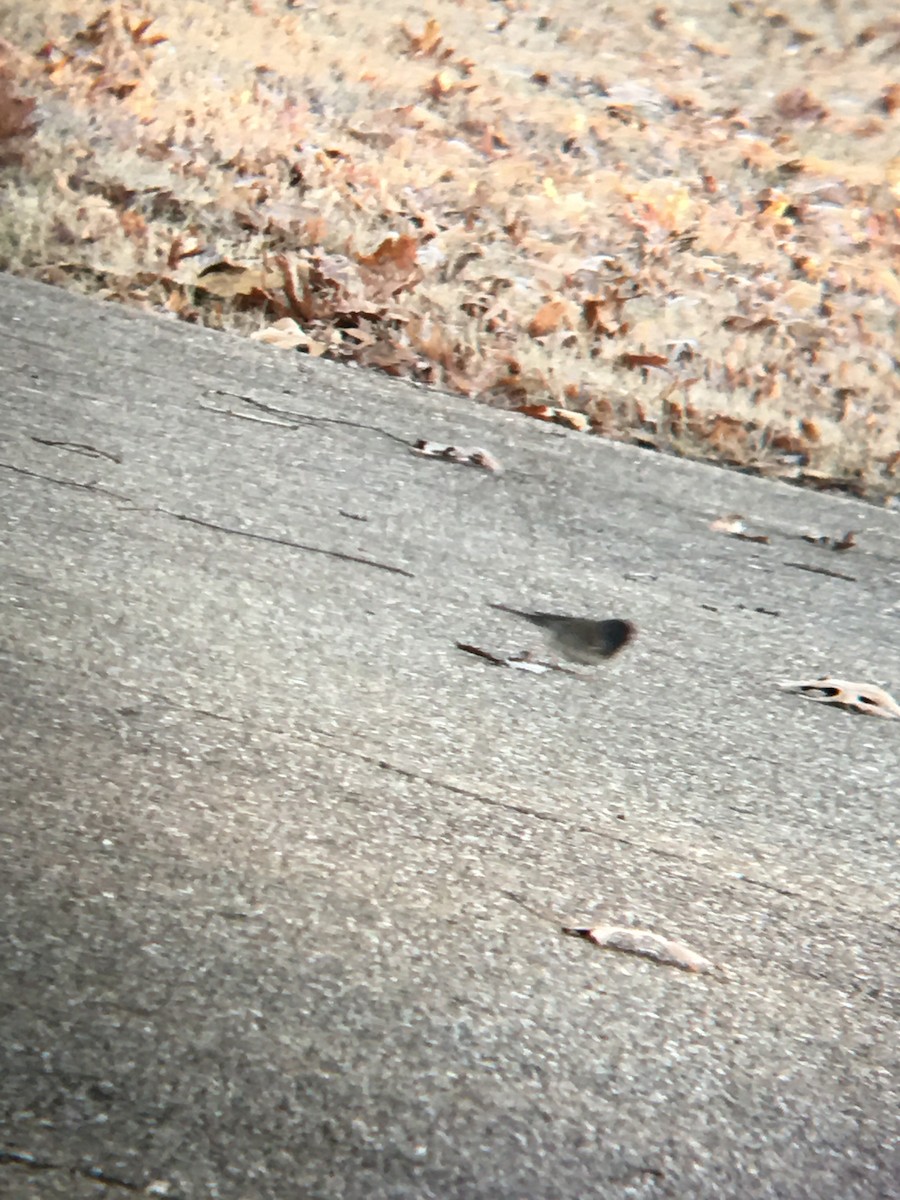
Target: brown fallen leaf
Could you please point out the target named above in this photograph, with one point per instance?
(394, 256)
(481, 458)
(847, 542)
(800, 105)
(427, 42)
(548, 318)
(823, 482)
(446, 83)
(504, 660)
(558, 416)
(227, 280)
(498, 660)
(645, 944)
(636, 361)
(17, 121)
(761, 538)
(859, 697)
(744, 324)
(470, 458)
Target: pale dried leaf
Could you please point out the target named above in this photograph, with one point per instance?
(558, 416)
(645, 944)
(860, 697)
(527, 664)
(735, 526)
(227, 280)
(481, 458)
(470, 458)
(733, 523)
(286, 334)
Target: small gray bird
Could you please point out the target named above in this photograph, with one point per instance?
(579, 639)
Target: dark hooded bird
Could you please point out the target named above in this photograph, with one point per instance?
(579, 639)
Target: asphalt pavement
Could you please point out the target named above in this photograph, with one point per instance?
(285, 871)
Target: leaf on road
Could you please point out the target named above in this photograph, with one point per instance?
(859, 697)
(734, 526)
(520, 661)
(470, 458)
(503, 660)
(645, 944)
(847, 542)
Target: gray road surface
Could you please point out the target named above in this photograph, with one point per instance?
(284, 870)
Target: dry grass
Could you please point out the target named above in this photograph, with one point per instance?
(678, 224)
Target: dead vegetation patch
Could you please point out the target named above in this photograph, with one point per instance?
(679, 227)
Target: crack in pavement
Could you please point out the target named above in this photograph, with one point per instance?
(78, 448)
(342, 555)
(480, 797)
(31, 1163)
(71, 483)
(295, 419)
